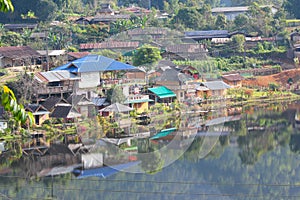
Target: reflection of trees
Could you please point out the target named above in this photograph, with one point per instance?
(295, 143)
(152, 161)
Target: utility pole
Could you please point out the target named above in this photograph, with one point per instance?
(47, 51)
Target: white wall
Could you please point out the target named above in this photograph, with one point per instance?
(89, 80)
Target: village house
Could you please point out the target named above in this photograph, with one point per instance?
(161, 94)
(52, 102)
(90, 69)
(83, 105)
(211, 89)
(111, 45)
(138, 11)
(234, 80)
(140, 102)
(232, 12)
(185, 51)
(76, 55)
(18, 56)
(19, 27)
(59, 83)
(39, 112)
(177, 82)
(153, 32)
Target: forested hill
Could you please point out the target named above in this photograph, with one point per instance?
(30, 11)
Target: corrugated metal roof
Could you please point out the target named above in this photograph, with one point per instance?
(216, 85)
(109, 45)
(18, 52)
(55, 76)
(162, 92)
(94, 63)
(207, 34)
(186, 48)
(52, 52)
(232, 77)
(230, 9)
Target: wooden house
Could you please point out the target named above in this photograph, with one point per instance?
(39, 112)
(234, 80)
(18, 56)
(177, 82)
(83, 105)
(215, 89)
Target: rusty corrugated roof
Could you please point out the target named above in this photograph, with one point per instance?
(18, 52)
(109, 45)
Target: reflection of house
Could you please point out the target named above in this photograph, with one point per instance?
(175, 81)
(161, 94)
(17, 56)
(55, 82)
(84, 106)
(39, 112)
(234, 80)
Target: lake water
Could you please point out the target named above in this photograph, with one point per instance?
(252, 152)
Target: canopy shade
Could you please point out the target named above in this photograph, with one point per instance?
(116, 107)
(94, 63)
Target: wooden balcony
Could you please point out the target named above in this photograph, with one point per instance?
(55, 90)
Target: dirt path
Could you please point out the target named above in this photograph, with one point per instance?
(280, 78)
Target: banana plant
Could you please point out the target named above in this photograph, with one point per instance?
(15, 110)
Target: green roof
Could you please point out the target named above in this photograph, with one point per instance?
(163, 133)
(162, 92)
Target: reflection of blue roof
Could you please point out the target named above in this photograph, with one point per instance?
(94, 63)
(104, 171)
(163, 133)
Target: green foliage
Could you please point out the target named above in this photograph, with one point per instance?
(6, 5)
(146, 55)
(273, 86)
(16, 111)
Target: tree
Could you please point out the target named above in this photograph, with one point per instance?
(15, 111)
(146, 55)
(221, 22)
(238, 41)
(6, 5)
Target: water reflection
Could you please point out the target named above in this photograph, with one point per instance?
(243, 153)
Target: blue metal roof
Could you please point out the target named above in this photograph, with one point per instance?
(94, 63)
(104, 171)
